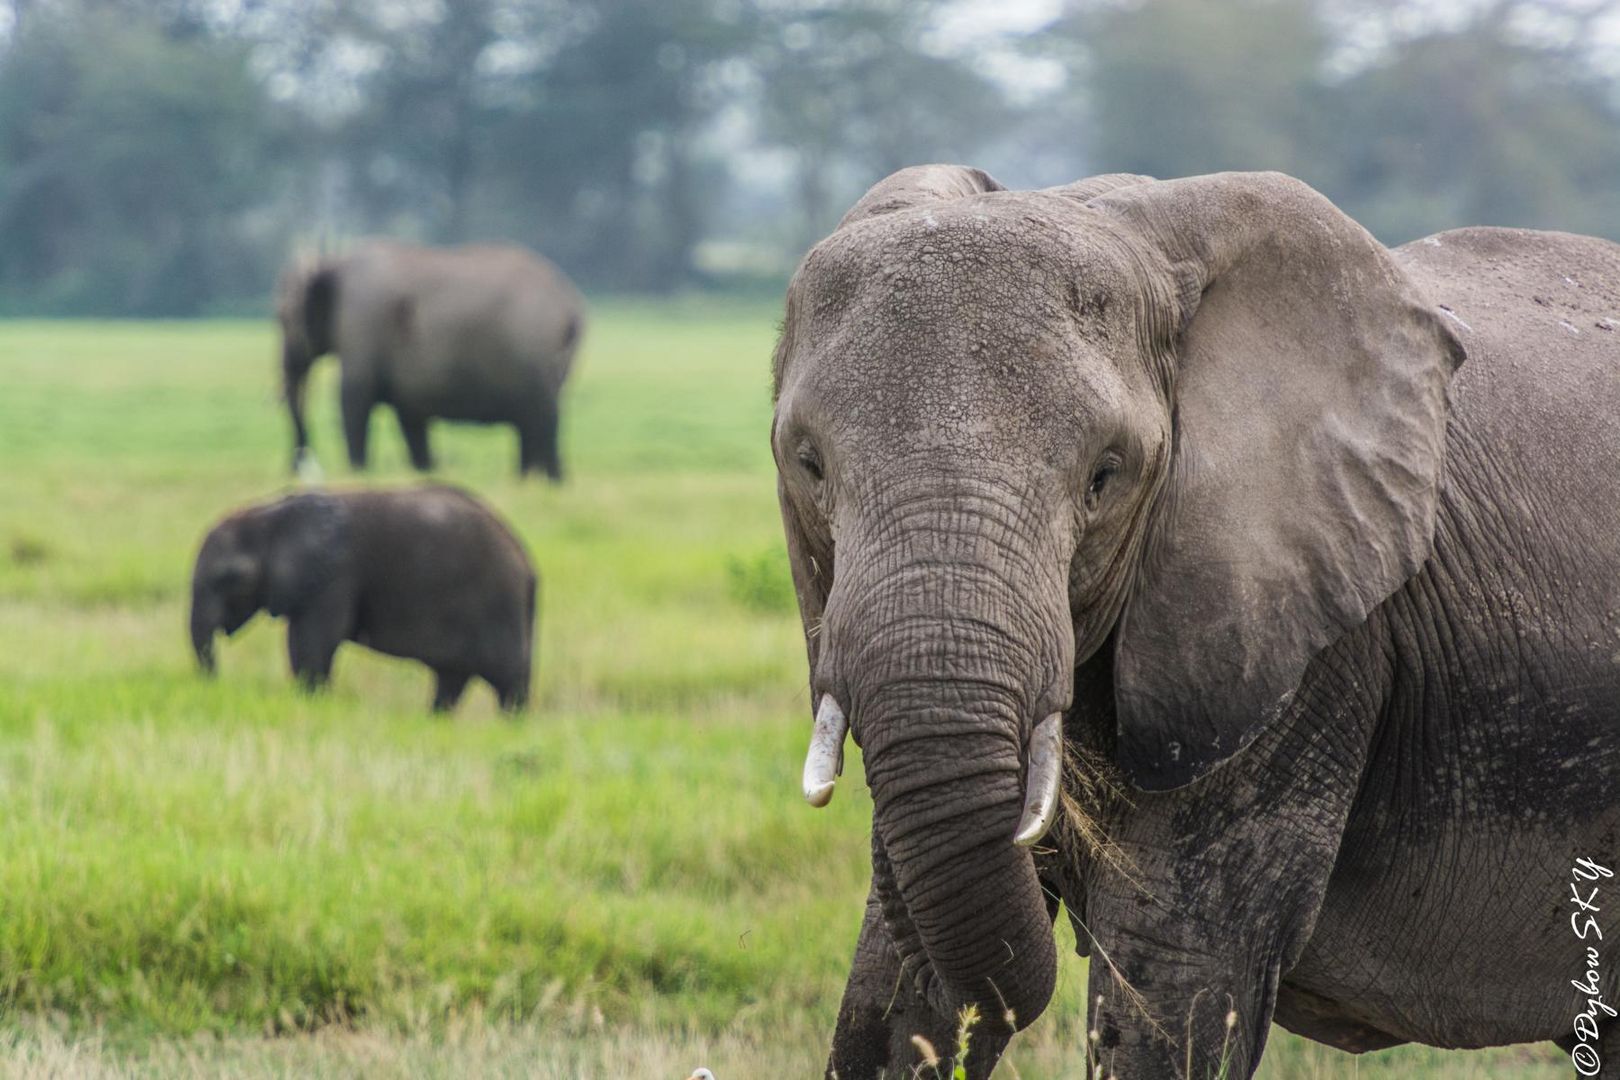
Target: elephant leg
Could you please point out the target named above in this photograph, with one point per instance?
(357, 400)
(1188, 958)
(538, 440)
(414, 427)
(512, 690)
(884, 1024)
(447, 689)
(1602, 1061)
(313, 638)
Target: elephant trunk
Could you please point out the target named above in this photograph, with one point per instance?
(951, 656)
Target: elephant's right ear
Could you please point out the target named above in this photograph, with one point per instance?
(306, 545)
(918, 186)
(1307, 382)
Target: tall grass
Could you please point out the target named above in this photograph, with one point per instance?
(230, 877)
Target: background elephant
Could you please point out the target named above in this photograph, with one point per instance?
(1183, 467)
(426, 573)
(486, 334)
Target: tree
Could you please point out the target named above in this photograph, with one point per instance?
(855, 88)
(127, 159)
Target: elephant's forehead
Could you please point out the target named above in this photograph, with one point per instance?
(966, 309)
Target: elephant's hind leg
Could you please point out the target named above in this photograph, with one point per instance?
(447, 689)
(512, 691)
(538, 440)
(1600, 1061)
(414, 427)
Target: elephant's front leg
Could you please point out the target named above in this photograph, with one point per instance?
(1228, 876)
(314, 633)
(885, 1028)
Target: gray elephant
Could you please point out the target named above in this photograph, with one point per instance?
(1186, 484)
(484, 333)
(428, 573)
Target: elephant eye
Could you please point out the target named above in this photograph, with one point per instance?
(1099, 480)
(810, 460)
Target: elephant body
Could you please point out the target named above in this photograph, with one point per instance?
(485, 334)
(1314, 546)
(428, 574)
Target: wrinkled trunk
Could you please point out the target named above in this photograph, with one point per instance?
(204, 624)
(955, 889)
(951, 651)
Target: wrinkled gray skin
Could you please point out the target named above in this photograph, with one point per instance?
(1188, 460)
(425, 573)
(484, 334)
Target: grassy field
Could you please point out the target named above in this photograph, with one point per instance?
(227, 877)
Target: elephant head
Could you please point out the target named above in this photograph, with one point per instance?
(272, 557)
(306, 308)
(1197, 424)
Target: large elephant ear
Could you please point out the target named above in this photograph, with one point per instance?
(1308, 379)
(306, 545)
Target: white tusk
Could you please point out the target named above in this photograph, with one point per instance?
(825, 761)
(1045, 779)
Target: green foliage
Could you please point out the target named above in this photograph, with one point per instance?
(761, 582)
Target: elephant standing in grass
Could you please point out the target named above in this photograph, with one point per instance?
(484, 334)
(429, 574)
(1293, 559)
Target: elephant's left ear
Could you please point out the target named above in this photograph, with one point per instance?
(307, 544)
(1308, 381)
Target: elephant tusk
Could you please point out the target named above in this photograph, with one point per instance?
(825, 760)
(1045, 779)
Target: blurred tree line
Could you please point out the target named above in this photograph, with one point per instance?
(162, 157)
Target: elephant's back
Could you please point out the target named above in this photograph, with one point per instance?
(478, 327)
(1539, 316)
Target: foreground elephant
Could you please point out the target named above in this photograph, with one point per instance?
(1164, 476)
(427, 573)
(486, 334)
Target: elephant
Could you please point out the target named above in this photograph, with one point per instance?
(480, 333)
(1176, 550)
(426, 573)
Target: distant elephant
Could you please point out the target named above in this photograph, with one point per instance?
(485, 334)
(429, 574)
(1172, 482)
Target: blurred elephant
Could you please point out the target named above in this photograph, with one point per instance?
(485, 334)
(429, 574)
(1163, 494)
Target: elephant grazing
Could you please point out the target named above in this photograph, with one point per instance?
(1188, 483)
(484, 334)
(427, 573)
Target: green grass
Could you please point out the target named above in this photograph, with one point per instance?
(228, 876)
